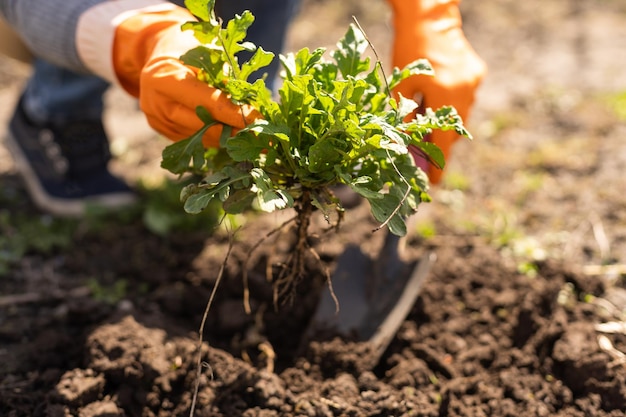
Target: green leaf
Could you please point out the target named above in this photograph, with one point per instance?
(200, 57)
(300, 63)
(349, 53)
(448, 118)
(295, 97)
(264, 127)
(272, 200)
(289, 64)
(417, 67)
(367, 187)
(177, 157)
(240, 91)
(323, 156)
(203, 9)
(259, 60)
(232, 38)
(433, 152)
(382, 210)
(269, 197)
(238, 201)
(204, 115)
(393, 139)
(245, 146)
(215, 178)
(198, 201)
(207, 33)
(406, 107)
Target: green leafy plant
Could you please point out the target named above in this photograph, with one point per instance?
(112, 294)
(334, 121)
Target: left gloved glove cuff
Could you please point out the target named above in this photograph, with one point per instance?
(95, 31)
(419, 9)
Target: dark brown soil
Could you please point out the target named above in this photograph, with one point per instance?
(507, 321)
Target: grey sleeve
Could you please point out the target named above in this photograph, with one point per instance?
(48, 27)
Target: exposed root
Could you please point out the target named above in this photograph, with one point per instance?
(199, 364)
(295, 266)
(246, 289)
(316, 255)
(267, 350)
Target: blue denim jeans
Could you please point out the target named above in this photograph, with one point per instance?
(269, 30)
(57, 95)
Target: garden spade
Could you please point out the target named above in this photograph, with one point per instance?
(373, 296)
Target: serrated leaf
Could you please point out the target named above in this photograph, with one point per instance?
(392, 145)
(374, 80)
(240, 91)
(245, 146)
(199, 57)
(324, 74)
(272, 200)
(448, 118)
(301, 62)
(417, 67)
(295, 96)
(393, 139)
(406, 106)
(178, 156)
(202, 9)
(306, 60)
(234, 35)
(288, 62)
(349, 53)
(207, 33)
(269, 197)
(259, 60)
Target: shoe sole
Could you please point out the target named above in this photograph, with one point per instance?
(58, 206)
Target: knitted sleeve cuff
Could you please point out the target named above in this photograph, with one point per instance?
(95, 31)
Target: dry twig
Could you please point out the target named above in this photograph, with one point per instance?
(37, 297)
(203, 322)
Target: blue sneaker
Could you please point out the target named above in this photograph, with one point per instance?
(65, 167)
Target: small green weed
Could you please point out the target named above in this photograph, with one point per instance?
(617, 103)
(456, 180)
(108, 294)
(426, 229)
(159, 209)
(21, 234)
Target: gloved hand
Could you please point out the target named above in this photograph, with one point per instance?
(431, 29)
(146, 43)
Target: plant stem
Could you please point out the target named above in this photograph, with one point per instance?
(295, 267)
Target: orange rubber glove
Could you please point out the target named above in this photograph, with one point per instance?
(431, 29)
(146, 45)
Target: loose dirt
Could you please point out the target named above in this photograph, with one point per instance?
(526, 229)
